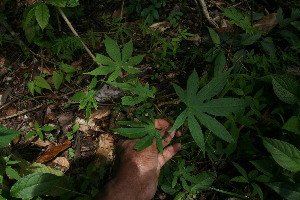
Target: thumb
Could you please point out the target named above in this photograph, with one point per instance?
(168, 153)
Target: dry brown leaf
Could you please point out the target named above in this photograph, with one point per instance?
(42, 143)
(10, 111)
(104, 152)
(53, 151)
(267, 23)
(63, 162)
(160, 26)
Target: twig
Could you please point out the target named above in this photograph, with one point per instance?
(74, 32)
(23, 46)
(21, 113)
(206, 14)
(175, 101)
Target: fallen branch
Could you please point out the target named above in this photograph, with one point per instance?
(206, 14)
(21, 113)
(74, 31)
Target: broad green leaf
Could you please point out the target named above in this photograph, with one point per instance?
(41, 82)
(42, 15)
(222, 106)
(285, 154)
(219, 64)
(180, 92)
(12, 173)
(7, 135)
(205, 180)
(127, 51)
(67, 68)
(292, 125)
(78, 96)
(289, 191)
(286, 88)
(130, 100)
(31, 86)
(38, 184)
(213, 87)
(296, 24)
(266, 166)
(180, 120)
(48, 128)
(196, 131)
(290, 37)
(258, 190)
(241, 170)
(58, 3)
(216, 127)
(103, 70)
(214, 36)
(133, 61)
(248, 39)
(144, 143)
(39, 168)
(112, 48)
(268, 46)
(103, 59)
(239, 179)
(57, 78)
(115, 74)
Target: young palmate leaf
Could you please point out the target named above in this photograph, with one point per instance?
(117, 60)
(199, 106)
(146, 131)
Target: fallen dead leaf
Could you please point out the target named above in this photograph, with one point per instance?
(160, 26)
(10, 111)
(104, 152)
(95, 115)
(267, 23)
(62, 162)
(42, 143)
(53, 151)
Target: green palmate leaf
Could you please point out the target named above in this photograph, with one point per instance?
(115, 74)
(289, 191)
(57, 78)
(78, 96)
(103, 59)
(37, 184)
(213, 87)
(135, 60)
(48, 128)
(285, 154)
(222, 106)
(7, 135)
(216, 127)
(67, 68)
(293, 125)
(219, 64)
(127, 51)
(145, 129)
(112, 49)
(42, 15)
(192, 86)
(104, 70)
(214, 36)
(180, 120)
(144, 143)
(180, 92)
(196, 131)
(31, 86)
(257, 190)
(239, 179)
(41, 82)
(286, 88)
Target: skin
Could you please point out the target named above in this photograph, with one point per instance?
(138, 172)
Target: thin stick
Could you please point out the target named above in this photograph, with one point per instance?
(74, 32)
(21, 113)
(206, 14)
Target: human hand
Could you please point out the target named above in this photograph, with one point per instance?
(137, 175)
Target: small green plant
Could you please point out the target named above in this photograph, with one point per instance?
(39, 131)
(70, 135)
(37, 85)
(71, 153)
(197, 108)
(65, 74)
(118, 61)
(87, 99)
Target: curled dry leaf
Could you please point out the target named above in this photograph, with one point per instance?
(160, 26)
(104, 153)
(63, 162)
(53, 151)
(267, 23)
(95, 116)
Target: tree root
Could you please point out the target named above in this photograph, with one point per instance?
(206, 14)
